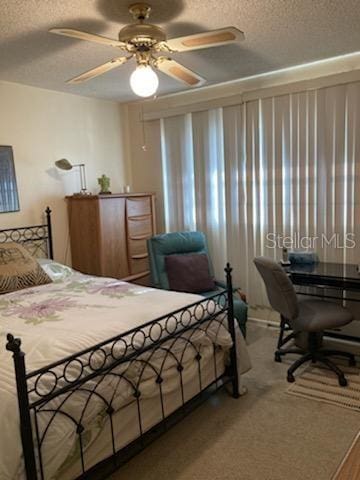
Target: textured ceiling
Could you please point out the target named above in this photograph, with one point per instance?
(279, 33)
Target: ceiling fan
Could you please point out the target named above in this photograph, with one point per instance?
(149, 45)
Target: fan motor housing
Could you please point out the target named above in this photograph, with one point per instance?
(142, 33)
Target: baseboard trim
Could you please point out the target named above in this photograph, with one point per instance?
(264, 323)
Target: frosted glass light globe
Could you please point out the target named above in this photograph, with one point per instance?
(143, 81)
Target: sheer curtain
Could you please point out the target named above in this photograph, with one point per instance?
(269, 171)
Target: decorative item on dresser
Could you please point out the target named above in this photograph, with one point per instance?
(108, 234)
(104, 183)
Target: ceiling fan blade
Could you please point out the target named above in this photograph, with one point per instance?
(213, 38)
(95, 72)
(179, 72)
(91, 37)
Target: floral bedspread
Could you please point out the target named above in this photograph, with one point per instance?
(36, 306)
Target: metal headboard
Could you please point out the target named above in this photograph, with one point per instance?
(35, 238)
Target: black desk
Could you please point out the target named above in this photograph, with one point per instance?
(327, 280)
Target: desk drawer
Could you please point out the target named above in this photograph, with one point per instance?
(139, 227)
(138, 206)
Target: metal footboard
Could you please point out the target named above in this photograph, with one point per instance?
(143, 354)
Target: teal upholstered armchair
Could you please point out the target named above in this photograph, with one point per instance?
(182, 243)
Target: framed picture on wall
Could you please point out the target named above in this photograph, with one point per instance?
(9, 199)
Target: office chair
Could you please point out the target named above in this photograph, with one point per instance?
(304, 316)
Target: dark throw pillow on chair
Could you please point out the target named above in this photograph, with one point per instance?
(189, 273)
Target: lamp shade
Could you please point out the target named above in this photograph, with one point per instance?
(63, 164)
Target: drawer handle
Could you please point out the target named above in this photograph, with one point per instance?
(140, 237)
(148, 235)
(141, 255)
(139, 200)
(137, 218)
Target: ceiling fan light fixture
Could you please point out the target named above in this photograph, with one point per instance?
(143, 42)
(143, 81)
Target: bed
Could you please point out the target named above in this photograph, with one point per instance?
(109, 366)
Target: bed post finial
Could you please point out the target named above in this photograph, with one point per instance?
(49, 228)
(231, 325)
(228, 270)
(13, 345)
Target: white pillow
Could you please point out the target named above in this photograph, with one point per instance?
(56, 271)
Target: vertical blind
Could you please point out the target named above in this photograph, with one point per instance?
(269, 172)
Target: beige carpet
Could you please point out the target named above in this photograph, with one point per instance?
(265, 435)
(318, 383)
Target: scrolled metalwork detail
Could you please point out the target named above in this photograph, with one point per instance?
(119, 349)
(47, 381)
(97, 359)
(199, 311)
(210, 306)
(110, 410)
(155, 332)
(171, 324)
(159, 379)
(185, 318)
(138, 340)
(73, 370)
(80, 428)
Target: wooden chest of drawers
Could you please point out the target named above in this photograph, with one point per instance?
(108, 234)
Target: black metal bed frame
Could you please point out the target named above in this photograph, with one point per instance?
(44, 393)
(36, 238)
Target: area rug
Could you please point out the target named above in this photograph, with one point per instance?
(319, 383)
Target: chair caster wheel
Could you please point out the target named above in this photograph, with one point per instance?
(352, 362)
(290, 378)
(277, 358)
(343, 382)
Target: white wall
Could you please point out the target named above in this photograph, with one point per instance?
(146, 163)
(43, 126)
